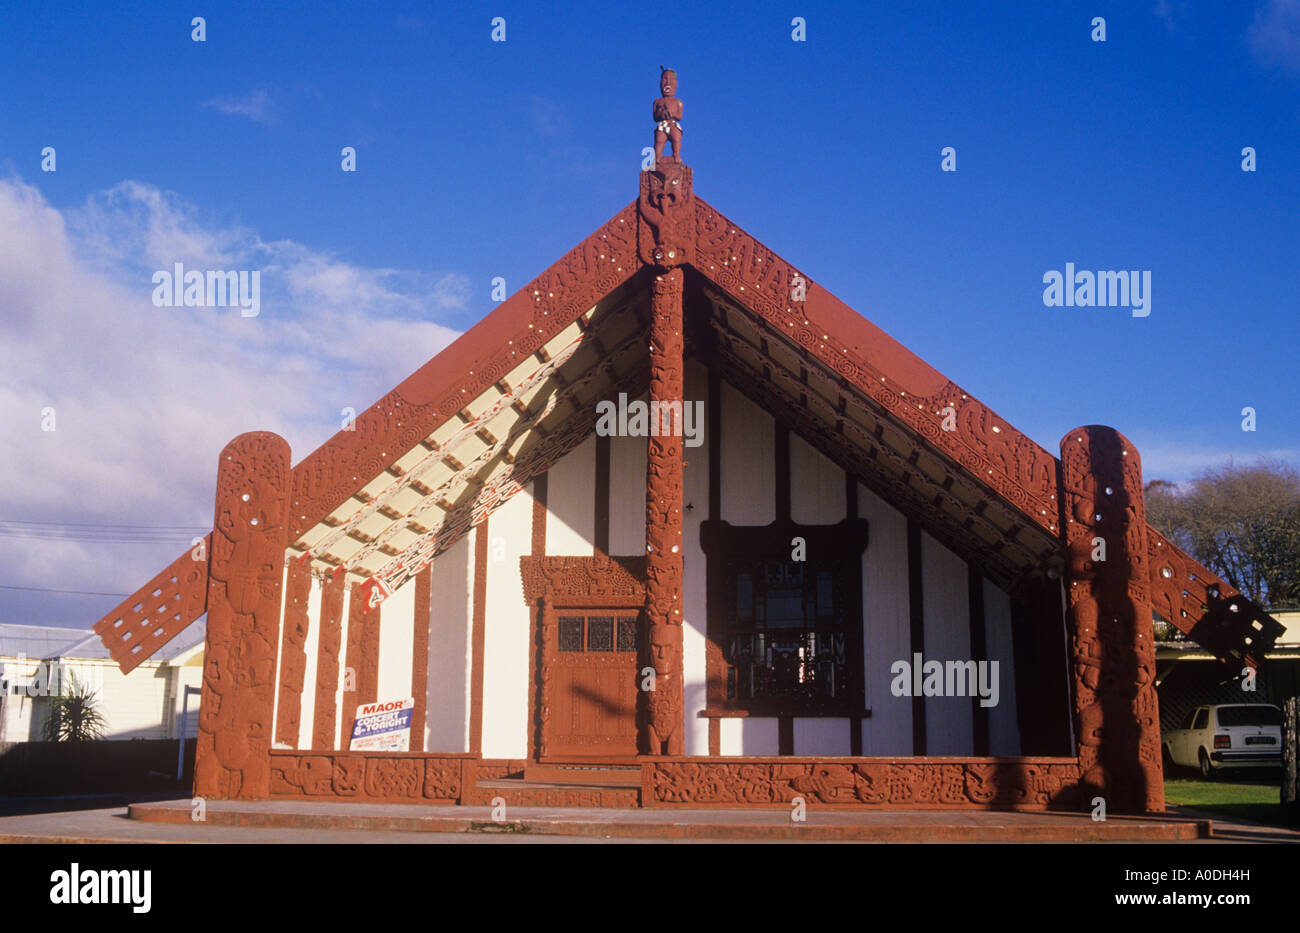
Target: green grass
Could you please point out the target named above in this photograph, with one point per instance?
(1249, 798)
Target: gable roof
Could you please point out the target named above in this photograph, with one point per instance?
(517, 391)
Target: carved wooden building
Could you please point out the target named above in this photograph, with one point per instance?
(477, 544)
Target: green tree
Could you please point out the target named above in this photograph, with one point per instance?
(1242, 522)
(74, 714)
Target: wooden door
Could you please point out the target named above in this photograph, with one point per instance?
(592, 671)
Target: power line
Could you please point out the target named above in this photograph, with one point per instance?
(42, 589)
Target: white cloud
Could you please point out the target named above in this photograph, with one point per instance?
(146, 397)
(257, 105)
(1274, 35)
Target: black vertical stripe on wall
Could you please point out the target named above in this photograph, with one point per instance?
(782, 450)
(916, 614)
(715, 446)
(979, 652)
(785, 735)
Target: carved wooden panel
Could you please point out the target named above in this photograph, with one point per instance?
(1108, 589)
(234, 741)
(1002, 783)
(330, 643)
(293, 655)
(159, 611)
(376, 776)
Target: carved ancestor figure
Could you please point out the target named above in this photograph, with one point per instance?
(667, 113)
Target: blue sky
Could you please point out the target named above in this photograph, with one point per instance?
(478, 159)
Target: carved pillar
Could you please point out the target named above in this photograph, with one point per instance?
(665, 240)
(293, 661)
(1116, 710)
(247, 560)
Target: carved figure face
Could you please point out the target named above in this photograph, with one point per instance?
(668, 83)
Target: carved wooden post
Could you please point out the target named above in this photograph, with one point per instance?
(247, 561)
(665, 240)
(1116, 711)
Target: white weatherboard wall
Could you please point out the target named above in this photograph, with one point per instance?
(627, 463)
(1004, 731)
(396, 634)
(887, 627)
(695, 494)
(506, 629)
(571, 504)
(451, 623)
(308, 715)
(949, 720)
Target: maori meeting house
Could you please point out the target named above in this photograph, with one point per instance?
(661, 618)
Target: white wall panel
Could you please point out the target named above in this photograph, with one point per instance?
(748, 461)
(822, 736)
(750, 736)
(695, 493)
(396, 634)
(308, 714)
(816, 486)
(571, 504)
(887, 627)
(949, 720)
(1004, 731)
(627, 461)
(451, 622)
(506, 644)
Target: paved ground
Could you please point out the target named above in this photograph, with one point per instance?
(104, 819)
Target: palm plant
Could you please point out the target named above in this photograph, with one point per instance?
(74, 714)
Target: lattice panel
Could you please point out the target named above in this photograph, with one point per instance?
(159, 611)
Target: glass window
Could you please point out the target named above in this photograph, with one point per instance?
(786, 646)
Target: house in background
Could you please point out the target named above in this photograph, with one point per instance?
(1189, 676)
(144, 704)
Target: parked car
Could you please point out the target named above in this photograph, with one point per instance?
(1230, 735)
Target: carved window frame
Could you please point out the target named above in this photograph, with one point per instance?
(722, 541)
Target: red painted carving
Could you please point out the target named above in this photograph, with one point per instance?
(1116, 709)
(247, 561)
(327, 662)
(1018, 783)
(667, 114)
(293, 657)
(362, 660)
(666, 215)
(159, 611)
(376, 777)
(420, 657)
(664, 521)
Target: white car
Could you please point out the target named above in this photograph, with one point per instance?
(1230, 735)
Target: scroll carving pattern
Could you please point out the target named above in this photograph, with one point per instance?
(1116, 709)
(1026, 783)
(664, 521)
(293, 656)
(1021, 471)
(666, 214)
(235, 714)
(409, 778)
(159, 611)
(392, 426)
(329, 645)
(362, 660)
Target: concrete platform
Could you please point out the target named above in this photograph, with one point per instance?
(661, 824)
